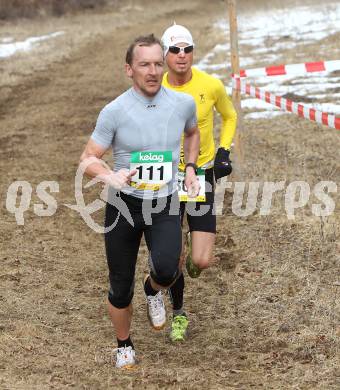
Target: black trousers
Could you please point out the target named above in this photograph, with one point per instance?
(163, 238)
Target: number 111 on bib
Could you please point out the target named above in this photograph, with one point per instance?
(154, 169)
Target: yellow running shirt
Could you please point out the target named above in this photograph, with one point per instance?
(208, 92)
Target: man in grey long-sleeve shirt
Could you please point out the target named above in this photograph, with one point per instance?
(144, 126)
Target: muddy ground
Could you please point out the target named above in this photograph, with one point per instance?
(265, 316)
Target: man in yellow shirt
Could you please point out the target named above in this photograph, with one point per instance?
(208, 93)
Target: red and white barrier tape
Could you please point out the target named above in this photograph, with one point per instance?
(301, 69)
(287, 105)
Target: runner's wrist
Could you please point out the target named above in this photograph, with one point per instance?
(191, 167)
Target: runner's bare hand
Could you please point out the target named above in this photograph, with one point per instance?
(120, 179)
(192, 184)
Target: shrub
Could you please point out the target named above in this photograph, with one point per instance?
(10, 9)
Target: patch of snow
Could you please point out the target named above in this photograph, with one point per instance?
(8, 49)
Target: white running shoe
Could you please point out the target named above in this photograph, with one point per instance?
(125, 358)
(156, 310)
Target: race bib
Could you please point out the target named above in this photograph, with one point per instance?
(154, 169)
(183, 192)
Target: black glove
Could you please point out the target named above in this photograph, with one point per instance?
(222, 163)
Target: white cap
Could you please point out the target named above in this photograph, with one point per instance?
(174, 35)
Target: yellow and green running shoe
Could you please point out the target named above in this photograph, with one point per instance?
(192, 269)
(179, 328)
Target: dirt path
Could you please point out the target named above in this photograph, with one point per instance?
(266, 316)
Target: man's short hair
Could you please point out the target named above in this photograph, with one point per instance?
(143, 40)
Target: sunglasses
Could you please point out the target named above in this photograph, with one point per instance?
(176, 49)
